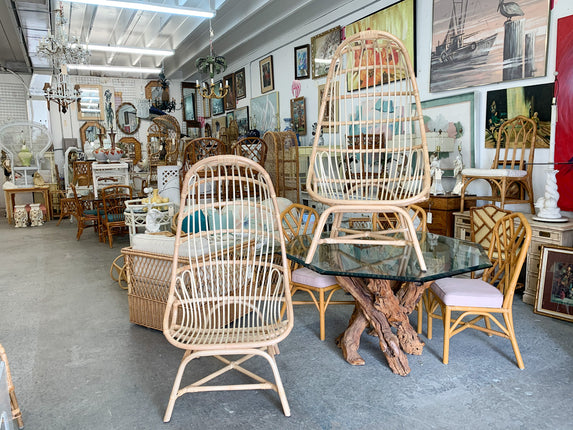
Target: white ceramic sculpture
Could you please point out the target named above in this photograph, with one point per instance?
(458, 167)
(36, 215)
(20, 216)
(547, 205)
(436, 172)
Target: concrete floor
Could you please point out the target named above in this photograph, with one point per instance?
(78, 363)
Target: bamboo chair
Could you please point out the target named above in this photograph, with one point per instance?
(199, 149)
(482, 221)
(510, 174)
(227, 300)
(373, 157)
(87, 214)
(298, 220)
(113, 219)
(16, 412)
(482, 299)
(253, 148)
(82, 173)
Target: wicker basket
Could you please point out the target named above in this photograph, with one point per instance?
(148, 277)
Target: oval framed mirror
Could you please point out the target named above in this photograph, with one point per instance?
(126, 118)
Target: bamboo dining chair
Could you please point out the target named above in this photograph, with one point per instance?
(198, 149)
(298, 220)
(113, 219)
(87, 214)
(483, 299)
(227, 300)
(510, 175)
(372, 157)
(254, 148)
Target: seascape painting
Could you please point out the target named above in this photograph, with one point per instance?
(533, 102)
(265, 110)
(481, 42)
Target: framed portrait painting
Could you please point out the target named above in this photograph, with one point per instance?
(487, 41)
(240, 84)
(298, 115)
(267, 78)
(301, 62)
(555, 285)
(230, 100)
(323, 46)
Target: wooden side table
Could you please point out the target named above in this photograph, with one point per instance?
(442, 208)
(10, 193)
(543, 233)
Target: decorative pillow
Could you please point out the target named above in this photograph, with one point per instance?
(197, 223)
(282, 203)
(219, 219)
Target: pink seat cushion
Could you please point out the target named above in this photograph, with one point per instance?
(309, 277)
(467, 292)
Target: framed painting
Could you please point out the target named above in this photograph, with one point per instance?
(265, 110)
(301, 62)
(217, 105)
(563, 131)
(329, 113)
(449, 125)
(323, 46)
(398, 19)
(240, 84)
(189, 94)
(479, 43)
(267, 78)
(555, 285)
(230, 100)
(217, 124)
(298, 115)
(230, 116)
(533, 101)
(242, 118)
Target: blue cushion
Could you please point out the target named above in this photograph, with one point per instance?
(115, 217)
(197, 223)
(93, 212)
(220, 220)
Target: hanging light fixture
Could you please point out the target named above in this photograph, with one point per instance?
(162, 102)
(212, 65)
(61, 50)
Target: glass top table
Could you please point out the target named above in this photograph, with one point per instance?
(387, 283)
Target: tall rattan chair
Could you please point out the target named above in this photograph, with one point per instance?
(372, 156)
(510, 175)
(198, 149)
(227, 300)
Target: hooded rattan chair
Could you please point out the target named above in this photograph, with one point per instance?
(228, 299)
(372, 157)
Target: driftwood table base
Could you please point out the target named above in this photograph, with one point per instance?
(382, 304)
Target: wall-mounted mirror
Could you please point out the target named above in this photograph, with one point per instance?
(89, 133)
(156, 93)
(189, 94)
(90, 104)
(126, 118)
(131, 148)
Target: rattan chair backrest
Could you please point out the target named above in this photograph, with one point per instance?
(237, 280)
(253, 148)
(373, 146)
(298, 220)
(482, 221)
(515, 146)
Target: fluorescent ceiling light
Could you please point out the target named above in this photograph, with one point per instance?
(149, 7)
(114, 68)
(128, 50)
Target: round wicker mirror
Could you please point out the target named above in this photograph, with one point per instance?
(126, 118)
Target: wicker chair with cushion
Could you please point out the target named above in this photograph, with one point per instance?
(372, 156)
(86, 212)
(227, 299)
(483, 299)
(510, 174)
(113, 219)
(298, 220)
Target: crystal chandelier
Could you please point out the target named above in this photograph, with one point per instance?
(60, 50)
(212, 65)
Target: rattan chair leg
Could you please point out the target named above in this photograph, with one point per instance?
(508, 318)
(321, 311)
(447, 315)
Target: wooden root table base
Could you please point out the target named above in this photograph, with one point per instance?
(382, 304)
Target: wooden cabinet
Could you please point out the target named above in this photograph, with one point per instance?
(442, 210)
(542, 233)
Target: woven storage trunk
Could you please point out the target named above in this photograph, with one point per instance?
(148, 278)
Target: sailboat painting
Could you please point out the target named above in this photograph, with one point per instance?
(481, 42)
